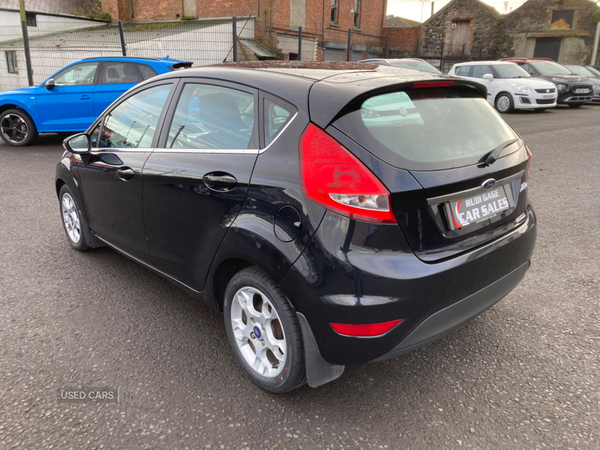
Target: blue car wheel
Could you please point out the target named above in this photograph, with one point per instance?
(17, 128)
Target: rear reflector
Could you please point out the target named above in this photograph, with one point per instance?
(364, 330)
(334, 178)
(529, 162)
(431, 84)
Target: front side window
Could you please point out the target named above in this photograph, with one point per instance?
(480, 71)
(511, 71)
(77, 75)
(11, 61)
(116, 72)
(334, 11)
(133, 123)
(549, 67)
(212, 117)
(463, 71)
(357, 5)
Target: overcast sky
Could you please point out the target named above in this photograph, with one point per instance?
(414, 9)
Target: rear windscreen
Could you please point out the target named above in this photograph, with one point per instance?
(428, 129)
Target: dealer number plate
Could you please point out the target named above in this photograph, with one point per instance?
(548, 96)
(582, 91)
(478, 208)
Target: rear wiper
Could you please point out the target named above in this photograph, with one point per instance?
(495, 154)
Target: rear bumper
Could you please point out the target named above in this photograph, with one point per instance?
(450, 318)
(343, 277)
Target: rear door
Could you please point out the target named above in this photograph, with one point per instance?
(441, 137)
(197, 179)
(115, 78)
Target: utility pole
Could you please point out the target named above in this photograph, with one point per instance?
(26, 42)
(432, 6)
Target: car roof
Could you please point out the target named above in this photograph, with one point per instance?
(481, 63)
(330, 85)
(134, 58)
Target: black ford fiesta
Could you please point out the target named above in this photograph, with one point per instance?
(335, 213)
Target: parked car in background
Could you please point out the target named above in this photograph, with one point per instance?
(334, 216)
(404, 63)
(70, 99)
(593, 75)
(573, 90)
(509, 86)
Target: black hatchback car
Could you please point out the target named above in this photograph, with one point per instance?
(335, 213)
(573, 90)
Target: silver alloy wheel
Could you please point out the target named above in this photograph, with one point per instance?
(503, 103)
(258, 332)
(14, 128)
(70, 218)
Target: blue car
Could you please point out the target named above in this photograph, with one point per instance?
(70, 100)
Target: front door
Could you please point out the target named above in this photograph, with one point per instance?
(69, 106)
(196, 182)
(547, 48)
(111, 175)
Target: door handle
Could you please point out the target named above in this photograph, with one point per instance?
(85, 97)
(219, 181)
(125, 174)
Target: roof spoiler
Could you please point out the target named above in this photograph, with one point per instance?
(181, 65)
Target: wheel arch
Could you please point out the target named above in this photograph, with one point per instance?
(223, 274)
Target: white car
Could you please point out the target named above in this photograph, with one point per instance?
(509, 86)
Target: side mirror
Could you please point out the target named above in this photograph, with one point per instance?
(79, 143)
(50, 84)
(488, 76)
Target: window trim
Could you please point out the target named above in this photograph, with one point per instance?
(101, 120)
(161, 144)
(13, 60)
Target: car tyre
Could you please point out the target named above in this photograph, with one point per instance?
(72, 220)
(17, 128)
(575, 105)
(504, 102)
(264, 332)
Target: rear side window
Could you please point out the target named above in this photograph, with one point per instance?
(116, 72)
(276, 117)
(212, 117)
(147, 71)
(427, 129)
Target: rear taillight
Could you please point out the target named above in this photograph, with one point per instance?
(528, 162)
(334, 178)
(364, 329)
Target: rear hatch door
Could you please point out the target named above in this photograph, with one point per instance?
(469, 165)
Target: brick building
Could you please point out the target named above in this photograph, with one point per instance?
(325, 24)
(563, 30)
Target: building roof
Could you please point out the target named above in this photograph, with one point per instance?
(400, 22)
(454, 3)
(56, 6)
